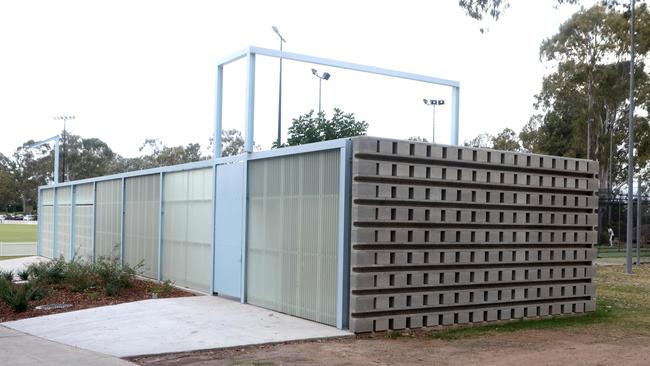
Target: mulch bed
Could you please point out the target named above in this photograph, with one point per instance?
(61, 294)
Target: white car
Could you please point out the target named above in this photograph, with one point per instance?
(29, 218)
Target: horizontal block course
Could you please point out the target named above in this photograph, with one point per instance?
(445, 235)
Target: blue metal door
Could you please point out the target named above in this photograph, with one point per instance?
(229, 226)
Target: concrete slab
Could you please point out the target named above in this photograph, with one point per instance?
(20, 349)
(19, 264)
(172, 325)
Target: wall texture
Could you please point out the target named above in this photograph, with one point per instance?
(293, 234)
(452, 235)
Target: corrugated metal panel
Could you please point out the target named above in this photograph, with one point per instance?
(83, 241)
(107, 222)
(141, 215)
(46, 220)
(84, 194)
(63, 211)
(293, 234)
(187, 230)
(47, 196)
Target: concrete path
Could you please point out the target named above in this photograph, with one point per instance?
(172, 325)
(20, 349)
(19, 264)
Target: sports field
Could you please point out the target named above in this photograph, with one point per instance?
(13, 233)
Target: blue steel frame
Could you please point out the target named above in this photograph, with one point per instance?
(343, 145)
(250, 53)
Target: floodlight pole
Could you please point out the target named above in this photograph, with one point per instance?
(324, 76)
(630, 151)
(65, 119)
(282, 40)
(433, 103)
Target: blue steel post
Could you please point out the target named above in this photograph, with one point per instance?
(122, 210)
(455, 96)
(244, 263)
(343, 273)
(73, 200)
(250, 104)
(92, 230)
(218, 117)
(39, 248)
(213, 208)
(54, 222)
(160, 228)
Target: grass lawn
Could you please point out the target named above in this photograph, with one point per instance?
(18, 233)
(605, 252)
(623, 305)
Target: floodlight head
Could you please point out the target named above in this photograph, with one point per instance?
(433, 102)
(425, 101)
(441, 101)
(313, 71)
(275, 29)
(326, 75)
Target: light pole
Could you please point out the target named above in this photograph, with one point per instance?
(630, 152)
(282, 40)
(325, 76)
(433, 103)
(64, 119)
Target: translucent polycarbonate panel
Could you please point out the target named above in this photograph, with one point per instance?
(47, 195)
(63, 211)
(84, 194)
(187, 228)
(107, 222)
(141, 223)
(46, 221)
(63, 195)
(83, 240)
(292, 246)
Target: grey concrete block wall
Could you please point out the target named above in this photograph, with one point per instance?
(447, 235)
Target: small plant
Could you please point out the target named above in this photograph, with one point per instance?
(93, 296)
(7, 275)
(80, 275)
(48, 272)
(17, 296)
(115, 277)
(164, 288)
(23, 275)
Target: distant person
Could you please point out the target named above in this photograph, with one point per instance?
(610, 232)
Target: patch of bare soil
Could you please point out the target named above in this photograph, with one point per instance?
(61, 294)
(587, 346)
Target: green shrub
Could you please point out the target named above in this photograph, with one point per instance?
(5, 286)
(23, 275)
(48, 272)
(7, 275)
(17, 296)
(114, 276)
(80, 275)
(164, 288)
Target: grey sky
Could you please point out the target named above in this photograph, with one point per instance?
(131, 70)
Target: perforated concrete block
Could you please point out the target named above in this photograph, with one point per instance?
(426, 227)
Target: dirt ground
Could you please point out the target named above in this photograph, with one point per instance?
(618, 333)
(530, 347)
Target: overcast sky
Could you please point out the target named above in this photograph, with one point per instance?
(131, 70)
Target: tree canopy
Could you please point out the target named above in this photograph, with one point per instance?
(309, 128)
(583, 103)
